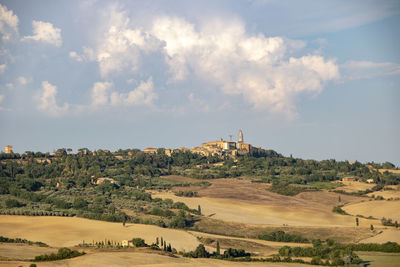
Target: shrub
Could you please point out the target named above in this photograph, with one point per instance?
(63, 253)
(12, 203)
(139, 242)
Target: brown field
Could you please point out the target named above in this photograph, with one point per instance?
(376, 208)
(390, 234)
(119, 259)
(71, 231)
(305, 209)
(260, 247)
(355, 186)
(386, 194)
(251, 231)
(22, 251)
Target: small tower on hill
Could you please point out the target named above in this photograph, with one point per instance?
(240, 139)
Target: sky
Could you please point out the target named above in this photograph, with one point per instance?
(313, 79)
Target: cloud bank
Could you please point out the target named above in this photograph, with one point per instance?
(260, 69)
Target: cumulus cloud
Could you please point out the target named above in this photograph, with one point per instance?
(45, 32)
(8, 23)
(2, 68)
(355, 70)
(47, 101)
(259, 68)
(120, 48)
(1, 100)
(143, 95)
(263, 70)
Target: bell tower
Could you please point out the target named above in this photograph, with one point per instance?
(240, 139)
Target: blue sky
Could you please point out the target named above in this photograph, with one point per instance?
(316, 79)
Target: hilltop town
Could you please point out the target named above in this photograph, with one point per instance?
(215, 148)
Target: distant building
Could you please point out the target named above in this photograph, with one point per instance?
(150, 150)
(218, 148)
(8, 149)
(169, 152)
(348, 179)
(126, 243)
(370, 181)
(103, 179)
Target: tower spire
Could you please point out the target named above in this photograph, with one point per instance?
(240, 139)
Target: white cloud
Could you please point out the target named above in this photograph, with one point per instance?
(2, 68)
(100, 95)
(87, 55)
(120, 48)
(258, 68)
(22, 80)
(142, 95)
(45, 32)
(10, 85)
(8, 23)
(354, 70)
(47, 101)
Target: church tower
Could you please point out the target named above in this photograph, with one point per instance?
(240, 139)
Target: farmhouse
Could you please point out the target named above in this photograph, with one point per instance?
(103, 179)
(126, 243)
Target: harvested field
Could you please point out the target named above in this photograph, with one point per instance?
(71, 231)
(251, 231)
(118, 259)
(273, 209)
(355, 186)
(16, 251)
(386, 194)
(376, 208)
(261, 247)
(392, 235)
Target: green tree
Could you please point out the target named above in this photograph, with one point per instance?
(201, 252)
(199, 209)
(357, 222)
(80, 203)
(13, 203)
(372, 227)
(218, 250)
(138, 242)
